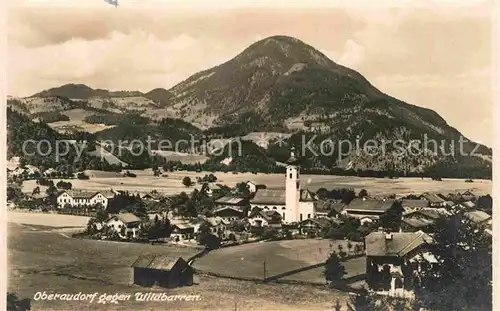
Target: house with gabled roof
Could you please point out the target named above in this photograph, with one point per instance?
(468, 205)
(230, 212)
(479, 217)
(265, 218)
(414, 204)
(182, 229)
(126, 224)
(434, 199)
(363, 208)
(421, 220)
(468, 196)
(160, 270)
(83, 198)
(153, 196)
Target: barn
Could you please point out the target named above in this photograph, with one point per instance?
(163, 271)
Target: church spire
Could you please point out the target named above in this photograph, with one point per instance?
(293, 159)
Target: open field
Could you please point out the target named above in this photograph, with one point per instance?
(247, 261)
(80, 125)
(51, 262)
(145, 182)
(50, 220)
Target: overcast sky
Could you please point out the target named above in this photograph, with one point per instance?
(435, 56)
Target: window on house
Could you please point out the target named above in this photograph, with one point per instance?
(290, 175)
(308, 216)
(301, 217)
(283, 215)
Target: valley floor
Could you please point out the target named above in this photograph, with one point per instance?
(172, 184)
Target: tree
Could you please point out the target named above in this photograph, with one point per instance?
(243, 190)
(334, 270)
(186, 181)
(363, 193)
(485, 203)
(91, 227)
(462, 278)
(101, 216)
(51, 191)
(270, 234)
(349, 246)
(391, 219)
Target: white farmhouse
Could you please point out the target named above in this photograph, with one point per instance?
(83, 198)
(126, 224)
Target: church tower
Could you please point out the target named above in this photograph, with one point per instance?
(292, 186)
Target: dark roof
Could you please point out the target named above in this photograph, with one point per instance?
(338, 206)
(327, 206)
(414, 203)
(76, 194)
(234, 208)
(433, 214)
(323, 206)
(468, 193)
(418, 222)
(477, 216)
(269, 197)
(320, 221)
(469, 204)
(400, 244)
(369, 205)
(79, 194)
(183, 225)
(159, 262)
(433, 198)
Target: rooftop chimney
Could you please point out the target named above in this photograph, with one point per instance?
(380, 229)
(388, 236)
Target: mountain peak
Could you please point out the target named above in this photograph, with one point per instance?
(73, 91)
(285, 51)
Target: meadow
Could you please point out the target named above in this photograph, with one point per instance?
(172, 184)
(40, 260)
(276, 257)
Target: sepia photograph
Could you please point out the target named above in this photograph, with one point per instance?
(249, 155)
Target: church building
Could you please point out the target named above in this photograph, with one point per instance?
(293, 203)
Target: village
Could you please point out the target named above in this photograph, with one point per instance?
(383, 239)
